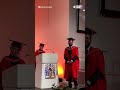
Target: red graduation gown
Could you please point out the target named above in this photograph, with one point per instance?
(6, 63)
(71, 70)
(39, 52)
(95, 60)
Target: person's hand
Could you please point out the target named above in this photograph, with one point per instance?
(71, 61)
(68, 61)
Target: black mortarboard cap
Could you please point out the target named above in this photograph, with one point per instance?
(89, 31)
(42, 44)
(17, 44)
(70, 39)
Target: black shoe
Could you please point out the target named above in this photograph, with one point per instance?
(70, 86)
(76, 87)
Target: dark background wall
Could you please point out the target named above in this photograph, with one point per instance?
(17, 23)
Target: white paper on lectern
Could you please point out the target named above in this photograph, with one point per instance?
(47, 58)
(41, 61)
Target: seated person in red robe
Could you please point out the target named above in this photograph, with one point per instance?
(95, 78)
(40, 50)
(11, 60)
(71, 63)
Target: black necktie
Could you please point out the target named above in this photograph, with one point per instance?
(86, 52)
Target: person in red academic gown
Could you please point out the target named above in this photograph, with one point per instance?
(11, 60)
(95, 78)
(40, 50)
(71, 63)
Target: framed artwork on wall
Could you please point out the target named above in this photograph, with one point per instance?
(80, 16)
(110, 8)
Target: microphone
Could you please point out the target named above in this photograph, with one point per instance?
(50, 50)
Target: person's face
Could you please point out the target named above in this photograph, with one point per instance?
(15, 51)
(41, 47)
(70, 42)
(87, 41)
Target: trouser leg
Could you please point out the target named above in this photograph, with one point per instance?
(75, 83)
(70, 83)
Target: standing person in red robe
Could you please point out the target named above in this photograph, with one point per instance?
(94, 65)
(11, 60)
(71, 63)
(40, 50)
